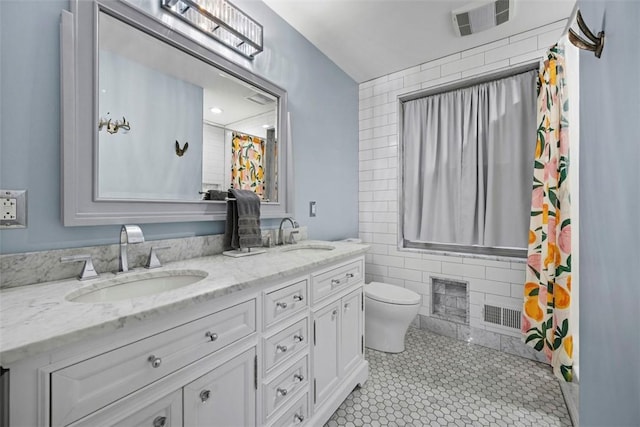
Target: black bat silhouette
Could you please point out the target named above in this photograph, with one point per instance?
(180, 151)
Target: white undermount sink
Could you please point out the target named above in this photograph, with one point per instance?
(308, 247)
(136, 285)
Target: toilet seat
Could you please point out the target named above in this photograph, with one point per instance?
(391, 294)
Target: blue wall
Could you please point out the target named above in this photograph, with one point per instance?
(609, 218)
(323, 102)
(146, 156)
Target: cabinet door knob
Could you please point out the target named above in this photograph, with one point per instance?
(346, 306)
(281, 305)
(211, 335)
(281, 348)
(155, 361)
(298, 338)
(281, 391)
(298, 418)
(334, 312)
(298, 298)
(159, 421)
(204, 395)
(298, 377)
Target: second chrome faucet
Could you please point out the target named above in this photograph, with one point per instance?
(292, 233)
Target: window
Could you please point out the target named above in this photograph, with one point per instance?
(467, 167)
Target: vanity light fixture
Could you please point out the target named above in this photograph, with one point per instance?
(216, 110)
(222, 21)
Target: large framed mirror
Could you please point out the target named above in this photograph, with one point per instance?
(157, 126)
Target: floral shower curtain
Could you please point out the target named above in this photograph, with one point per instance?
(247, 163)
(547, 292)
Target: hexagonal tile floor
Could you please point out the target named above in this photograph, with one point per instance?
(441, 381)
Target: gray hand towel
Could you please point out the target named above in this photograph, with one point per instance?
(242, 229)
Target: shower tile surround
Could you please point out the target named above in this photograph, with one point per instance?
(37, 267)
(496, 281)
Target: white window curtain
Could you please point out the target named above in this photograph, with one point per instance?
(468, 162)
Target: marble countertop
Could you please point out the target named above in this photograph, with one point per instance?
(37, 318)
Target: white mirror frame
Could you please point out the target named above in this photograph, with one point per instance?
(79, 133)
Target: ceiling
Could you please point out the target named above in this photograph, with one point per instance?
(372, 38)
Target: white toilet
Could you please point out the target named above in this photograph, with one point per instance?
(389, 310)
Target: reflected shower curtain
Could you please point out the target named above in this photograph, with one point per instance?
(545, 318)
(247, 163)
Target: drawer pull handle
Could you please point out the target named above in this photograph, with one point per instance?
(281, 391)
(211, 335)
(298, 338)
(160, 421)
(298, 377)
(349, 275)
(298, 418)
(298, 298)
(282, 305)
(204, 395)
(335, 282)
(281, 349)
(155, 361)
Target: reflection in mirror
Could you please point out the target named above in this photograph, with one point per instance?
(173, 127)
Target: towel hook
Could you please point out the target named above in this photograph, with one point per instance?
(596, 43)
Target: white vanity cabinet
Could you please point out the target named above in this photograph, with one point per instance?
(285, 352)
(114, 387)
(338, 318)
(224, 397)
(86, 386)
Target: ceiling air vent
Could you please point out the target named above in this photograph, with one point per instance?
(475, 17)
(259, 98)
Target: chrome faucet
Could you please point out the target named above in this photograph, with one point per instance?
(294, 224)
(128, 234)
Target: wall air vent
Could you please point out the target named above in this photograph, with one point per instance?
(475, 17)
(502, 316)
(259, 98)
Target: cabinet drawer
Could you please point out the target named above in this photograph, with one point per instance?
(284, 302)
(295, 416)
(224, 397)
(327, 282)
(285, 344)
(285, 386)
(82, 388)
(164, 412)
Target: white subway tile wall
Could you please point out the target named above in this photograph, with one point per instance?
(493, 280)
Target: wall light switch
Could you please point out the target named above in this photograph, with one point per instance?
(13, 209)
(312, 208)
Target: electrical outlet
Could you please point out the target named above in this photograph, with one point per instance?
(13, 209)
(8, 208)
(312, 209)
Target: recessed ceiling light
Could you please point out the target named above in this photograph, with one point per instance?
(266, 126)
(216, 110)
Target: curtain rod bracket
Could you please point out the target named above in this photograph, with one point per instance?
(596, 43)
